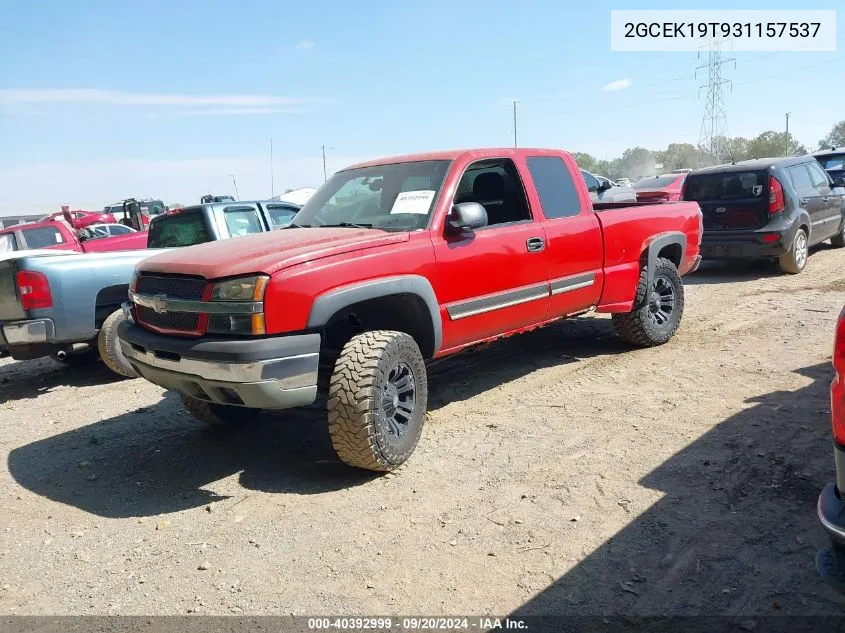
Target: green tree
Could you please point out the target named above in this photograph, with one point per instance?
(635, 163)
(679, 156)
(836, 138)
(585, 161)
(771, 143)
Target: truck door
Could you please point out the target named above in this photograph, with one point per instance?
(493, 279)
(573, 235)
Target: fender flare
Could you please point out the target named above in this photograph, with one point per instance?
(329, 303)
(658, 244)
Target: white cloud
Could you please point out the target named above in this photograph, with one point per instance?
(93, 184)
(619, 84)
(304, 45)
(117, 97)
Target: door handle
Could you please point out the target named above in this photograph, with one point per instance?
(803, 201)
(535, 244)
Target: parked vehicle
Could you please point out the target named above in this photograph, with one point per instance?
(603, 190)
(770, 208)
(80, 219)
(136, 213)
(623, 182)
(392, 263)
(216, 221)
(831, 504)
(97, 231)
(57, 234)
(68, 308)
(664, 188)
(832, 161)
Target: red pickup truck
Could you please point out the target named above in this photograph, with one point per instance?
(59, 235)
(392, 263)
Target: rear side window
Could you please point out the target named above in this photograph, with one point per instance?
(592, 183)
(555, 187)
(732, 185)
(241, 221)
(8, 243)
(281, 214)
(818, 176)
(179, 229)
(836, 162)
(42, 237)
(799, 177)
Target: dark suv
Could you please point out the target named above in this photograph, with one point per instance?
(769, 208)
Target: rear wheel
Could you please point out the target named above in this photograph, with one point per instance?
(218, 415)
(109, 346)
(794, 261)
(377, 400)
(661, 307)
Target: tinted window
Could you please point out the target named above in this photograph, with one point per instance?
(394, 196)
(119, 229)
(241, 221)
(733, 185)
(558, 195)
(281, 214)
(833, 162)
(42, 237)
(799, 177)
(7, 243)
(818, 176)
(592, 183)
(655, 183)
(495, 184)
(179, 229)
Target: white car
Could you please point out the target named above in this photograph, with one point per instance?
(604, 190)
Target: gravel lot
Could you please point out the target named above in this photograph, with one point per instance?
(560, 472)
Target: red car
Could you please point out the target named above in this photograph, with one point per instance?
(81, 219)
(392, 263)
(663, 188)
(56, 234)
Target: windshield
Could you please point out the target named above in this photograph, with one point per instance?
(392, 197)
(836, 163)
(655, 183)
(732, 185)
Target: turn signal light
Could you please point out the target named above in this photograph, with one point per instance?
(34, 290)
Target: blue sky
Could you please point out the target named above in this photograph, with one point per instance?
(105, 100)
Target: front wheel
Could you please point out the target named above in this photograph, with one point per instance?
(377, 400)
(794, 261)
(661, 306)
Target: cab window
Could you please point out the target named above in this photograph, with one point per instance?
(495, 184)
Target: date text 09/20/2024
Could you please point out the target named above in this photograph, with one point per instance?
(416, 624)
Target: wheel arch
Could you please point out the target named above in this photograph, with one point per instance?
(409, 301)
(672, 246)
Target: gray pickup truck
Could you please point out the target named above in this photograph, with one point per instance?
(67, 306)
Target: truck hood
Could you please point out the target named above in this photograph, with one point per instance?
(267, 252)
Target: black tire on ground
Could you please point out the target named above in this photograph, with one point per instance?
(79, 359)
(838, 240)
(377, 400)
(794, 261)
(218, 415)
(109, 346)
(659, 311)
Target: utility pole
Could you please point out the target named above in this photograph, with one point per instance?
(235, 182)
(514, 122)
(786, 140)
(272, 180)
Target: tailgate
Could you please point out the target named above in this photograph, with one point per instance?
(732, 200)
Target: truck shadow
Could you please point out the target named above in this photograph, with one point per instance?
(157, 459)
(27, 379)
(736, 532)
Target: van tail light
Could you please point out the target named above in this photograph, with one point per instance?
(837, 388)
(34, 290)
(776, 204)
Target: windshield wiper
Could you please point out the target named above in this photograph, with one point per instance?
(355, 225)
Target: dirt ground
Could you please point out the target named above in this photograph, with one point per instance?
(560, 472)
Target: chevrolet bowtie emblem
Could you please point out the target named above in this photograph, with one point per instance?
(159, 303)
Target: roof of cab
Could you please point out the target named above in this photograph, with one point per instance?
(755, 163)
(454, 154)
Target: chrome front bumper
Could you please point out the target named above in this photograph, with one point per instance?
(221, 371)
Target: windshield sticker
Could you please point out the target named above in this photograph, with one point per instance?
(417, 202)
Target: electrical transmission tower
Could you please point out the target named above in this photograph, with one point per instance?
(714, 124)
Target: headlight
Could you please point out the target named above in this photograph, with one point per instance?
(241, 289)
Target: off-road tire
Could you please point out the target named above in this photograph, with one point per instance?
(790, 262)
(358, 426)
(638, 327)
(109, 346)
(218, 415)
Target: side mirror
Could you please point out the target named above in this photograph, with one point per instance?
(467, 216)
(604, 186)
(839, 182)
